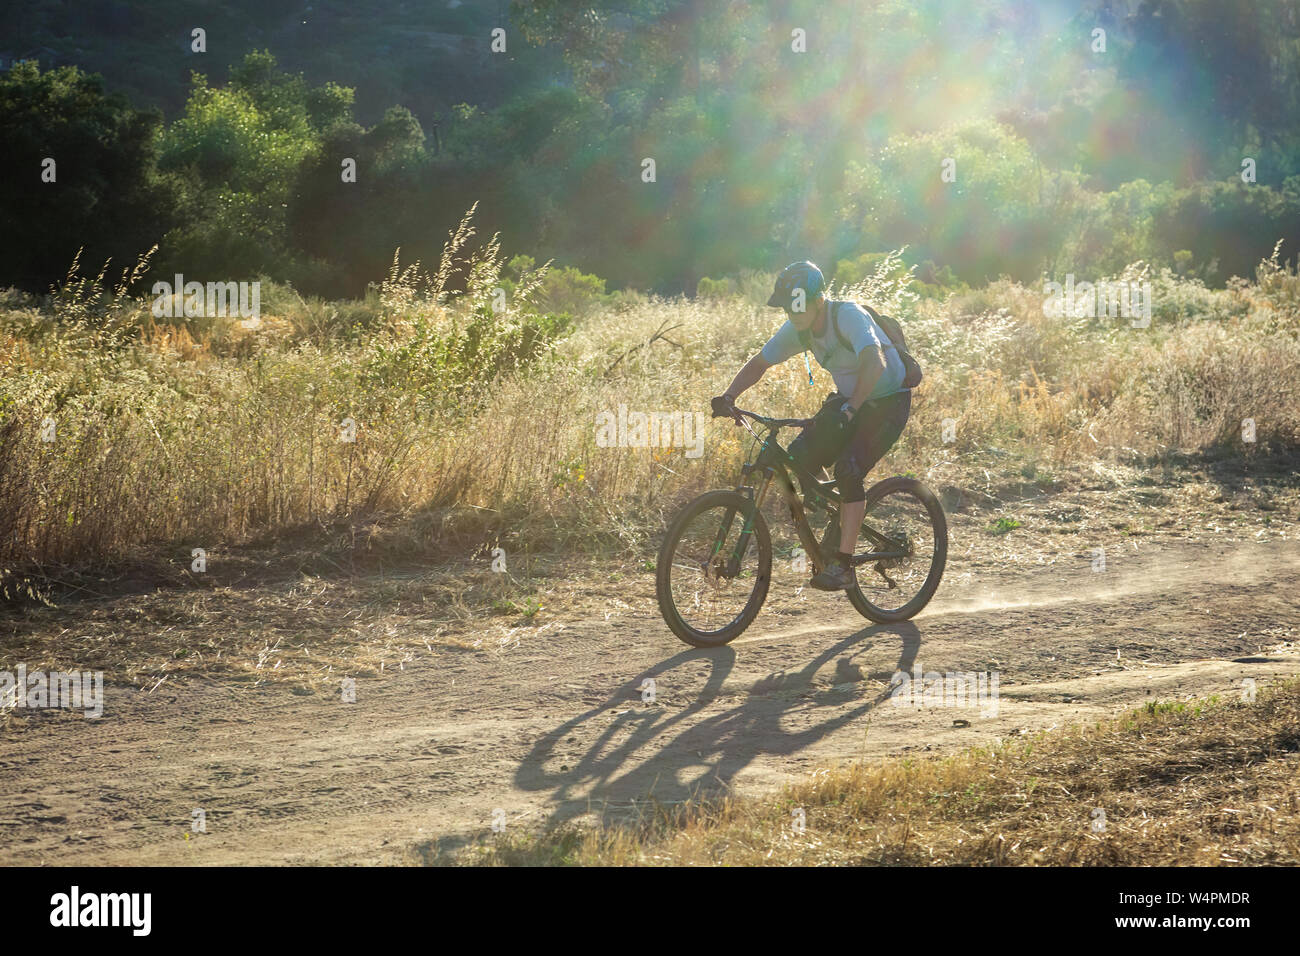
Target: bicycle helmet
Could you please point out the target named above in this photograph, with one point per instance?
(797, 275)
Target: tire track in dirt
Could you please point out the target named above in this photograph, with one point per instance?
(554, 728)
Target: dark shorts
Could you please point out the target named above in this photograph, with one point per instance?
(872, 433)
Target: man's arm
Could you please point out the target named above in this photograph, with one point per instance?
(748, 376)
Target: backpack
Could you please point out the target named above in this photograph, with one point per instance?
(888, 325)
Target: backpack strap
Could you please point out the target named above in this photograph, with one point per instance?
(805, 338)
(835, 324)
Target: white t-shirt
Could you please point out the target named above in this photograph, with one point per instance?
(859, 329)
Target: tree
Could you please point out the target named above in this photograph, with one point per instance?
(106, 194)
(1218, 77)
(241, 149)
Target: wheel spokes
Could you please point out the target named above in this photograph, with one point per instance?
(706, 596)
(900, 523)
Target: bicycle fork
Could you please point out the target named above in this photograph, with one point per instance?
(746, 533)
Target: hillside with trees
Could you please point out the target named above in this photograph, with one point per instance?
(1068, 152)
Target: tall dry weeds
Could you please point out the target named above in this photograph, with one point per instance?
(178, 437)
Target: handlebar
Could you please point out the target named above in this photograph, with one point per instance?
(780, 422)
(775, 422)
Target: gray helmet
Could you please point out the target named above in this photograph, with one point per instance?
(797, 275)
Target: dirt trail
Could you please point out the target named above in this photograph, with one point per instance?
(552, 727)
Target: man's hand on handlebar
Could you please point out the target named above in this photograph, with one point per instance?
(724, 406)
(842, 416)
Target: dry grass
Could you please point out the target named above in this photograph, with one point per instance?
(1198, 782)
(213, 434)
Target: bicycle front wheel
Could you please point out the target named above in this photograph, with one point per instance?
(715, 566)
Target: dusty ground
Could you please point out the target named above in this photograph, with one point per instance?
(544, 720)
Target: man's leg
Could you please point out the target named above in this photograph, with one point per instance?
(851, 515)
(876, 430)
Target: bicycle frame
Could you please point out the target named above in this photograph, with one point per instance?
(774, 463)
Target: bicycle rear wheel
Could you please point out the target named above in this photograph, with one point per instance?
(904, 519)
(708, 595)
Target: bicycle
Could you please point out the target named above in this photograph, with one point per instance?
(711, 573)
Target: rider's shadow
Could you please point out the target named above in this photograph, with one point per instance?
(704, 757)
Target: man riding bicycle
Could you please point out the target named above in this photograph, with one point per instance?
(860, 421)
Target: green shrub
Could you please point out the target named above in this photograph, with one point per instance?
(563, 290)
(715, 288)
(453, 360)
(852, 271)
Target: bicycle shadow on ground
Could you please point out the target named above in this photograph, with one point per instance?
(635, 761)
